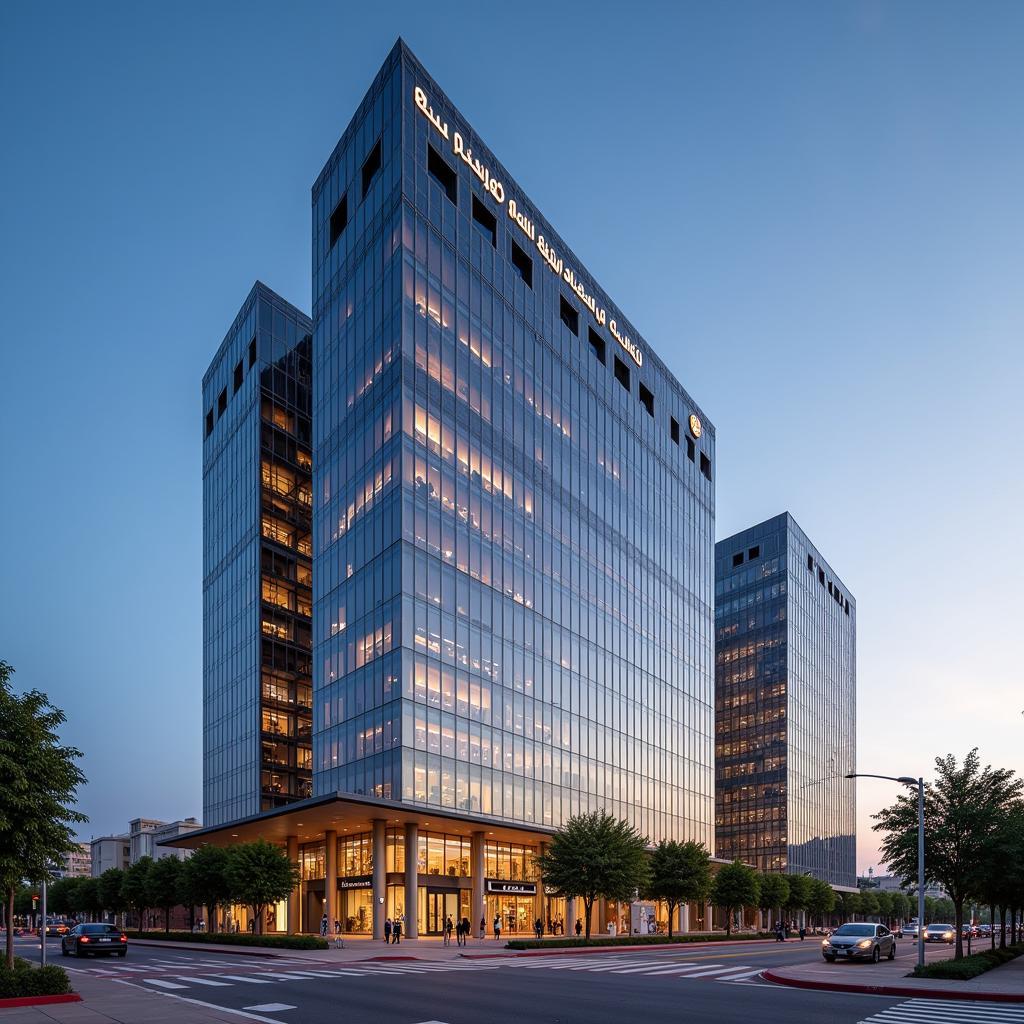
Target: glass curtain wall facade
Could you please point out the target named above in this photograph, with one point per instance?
(257, 563)
(513, 500)
(785, 705)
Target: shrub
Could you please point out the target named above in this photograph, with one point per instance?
(28, 980)
(626, 940)
(237, 939)
(969, 966)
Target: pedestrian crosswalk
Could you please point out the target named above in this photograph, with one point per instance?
(177, 973)
(949, 1011)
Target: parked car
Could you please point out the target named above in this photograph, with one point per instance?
(859, 941)
(939, 933)
(97, 939)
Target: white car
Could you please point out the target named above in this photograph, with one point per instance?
(910, 930)
(939, 933)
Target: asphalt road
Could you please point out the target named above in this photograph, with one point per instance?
(718, 984)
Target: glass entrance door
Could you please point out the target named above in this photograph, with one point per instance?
(441, 905)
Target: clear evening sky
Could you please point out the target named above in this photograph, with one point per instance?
(813, 212)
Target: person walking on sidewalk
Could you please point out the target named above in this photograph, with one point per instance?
(538, 928)
(483, 928)
(323, 926)
(466, 929)
(497, 926)
(448, 930)
(387, 932)
(579, 927)
(396, 931)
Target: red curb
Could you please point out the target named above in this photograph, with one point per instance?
(892, 990)
(70, 997)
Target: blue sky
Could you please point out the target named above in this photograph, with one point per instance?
(812, 211)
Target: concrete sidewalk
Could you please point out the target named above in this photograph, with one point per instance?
(1002, 984)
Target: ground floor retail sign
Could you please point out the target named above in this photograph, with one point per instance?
(512, 888)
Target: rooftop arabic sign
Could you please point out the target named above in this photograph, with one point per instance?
(496, 190)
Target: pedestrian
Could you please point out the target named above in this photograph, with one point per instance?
(497, 926)
(466, 928)
(538, 928)
(803, 932)
(337, 927)
(396, 930)
(323, 926)
(448, 930)
(387, 932)
(579, 927)
(483, 928)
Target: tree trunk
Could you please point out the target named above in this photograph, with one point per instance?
(10, 927)
(211, 917)
(671, 916)
(958, 906)
(167, 920)
(728, 922)
(588, 905)
(1002, 927)
(992, 919)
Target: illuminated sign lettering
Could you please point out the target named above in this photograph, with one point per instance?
(496, 190)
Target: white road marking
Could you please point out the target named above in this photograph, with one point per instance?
(162, 984)
(270, 1007)
(205, 981)
(245, 977)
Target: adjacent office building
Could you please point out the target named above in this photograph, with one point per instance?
(77, 862)
(785, 705)
(512, 553)
(257, 563)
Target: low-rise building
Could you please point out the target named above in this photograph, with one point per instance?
(77, 863)
(109, 852)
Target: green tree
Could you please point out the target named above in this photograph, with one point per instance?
(61, 896)
(900, 905)
(87, 898)
(963, 807)
(821, 900)
(869, 903)
(206, 881)
(884, 901)
(799, 892)
(162, 884)
(112, 891)
(774, 893)
(595, 856)
(679, 873)
(259, 874)
(40, 778)
(135, 890)
(850, 902)
(734, 887)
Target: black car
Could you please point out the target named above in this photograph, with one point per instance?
(98, 939)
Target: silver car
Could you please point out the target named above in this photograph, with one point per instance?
(859, 942)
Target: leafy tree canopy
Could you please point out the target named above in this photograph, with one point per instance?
(259, 874)
(679, 873)
(735, 886)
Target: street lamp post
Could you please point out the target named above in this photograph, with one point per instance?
(906, 780)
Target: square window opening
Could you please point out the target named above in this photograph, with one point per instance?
(239, 376)
(705, 465)
(754, 552)
(485, 221)
(209, 422)
(691, 449)
(222, 403)
(821, 576)
(522, 262)
(737, 559)
(597, 344)
(847, 607)
(673, 426)
(339, 219)
(622, 373)
(810, 562)
(252, 352)
(442, 173)
(646, 399)
(569, 316)
(371, 166)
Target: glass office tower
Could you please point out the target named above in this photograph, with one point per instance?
(257, 563)
(785, 705)
(513, 501)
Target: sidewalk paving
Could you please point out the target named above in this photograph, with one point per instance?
(1003, 984)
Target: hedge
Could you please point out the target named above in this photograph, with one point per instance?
(630, 940)
(969, 966)
(29, 980)
(236, 939)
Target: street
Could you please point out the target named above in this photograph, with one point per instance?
(708, 984)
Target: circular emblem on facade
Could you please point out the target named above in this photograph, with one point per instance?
(695, 425)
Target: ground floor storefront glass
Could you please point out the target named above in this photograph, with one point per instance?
(356, 910)
(516, 912)
(437, 905)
